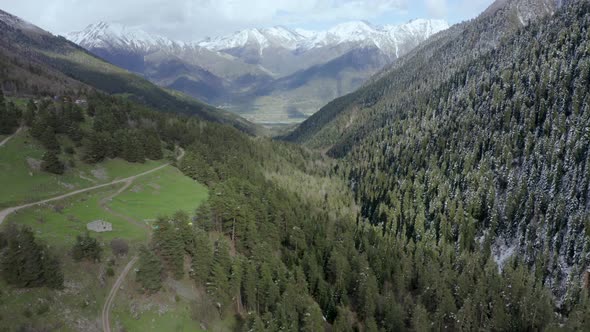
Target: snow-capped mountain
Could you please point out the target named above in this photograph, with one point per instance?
(294, 71)
(263, 38)
(388, 38)
(111, 35)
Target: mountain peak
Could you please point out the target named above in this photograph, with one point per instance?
(108, 34)
(277, 36)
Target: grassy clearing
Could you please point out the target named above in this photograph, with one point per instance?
(78, 306)
(160, 193)
(173, 317)
(75, 308)
(22, 181)
(58, 223)
(170, 309)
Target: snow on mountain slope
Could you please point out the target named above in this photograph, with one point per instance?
(356, 31)
(19, 23)
(388, 38)
(263, 38)
(109, 35)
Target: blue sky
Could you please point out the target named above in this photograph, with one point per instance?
(195, 19)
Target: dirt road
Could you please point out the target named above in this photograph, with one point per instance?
(4, 213)
(106, 308)
(128, 181)
(4, 141)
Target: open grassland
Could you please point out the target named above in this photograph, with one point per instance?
(22, 180)
(58, 223)
(78, 306)
(170, 309)
(160, 193)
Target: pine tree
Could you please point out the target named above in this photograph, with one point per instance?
(30, 113)
(203, 256)
(218, 284)
(249, 285)
(26, 263)
(52, 271)
(30, 260)
(169, 244)
(152, 145)
(149, 273)
(49, 140)
(344, 321)
(51, 163)
(9, 118)
(86, 247)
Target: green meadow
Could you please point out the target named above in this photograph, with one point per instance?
(58, 223)
(160, 193)
(22, 181)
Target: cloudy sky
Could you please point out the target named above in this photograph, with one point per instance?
(196, 19)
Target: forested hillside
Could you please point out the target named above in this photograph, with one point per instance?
(425, 68)
(492, 162)
(458, 203)
(34, 62)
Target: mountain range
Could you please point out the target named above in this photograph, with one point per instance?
(35, 62)
(272, 74)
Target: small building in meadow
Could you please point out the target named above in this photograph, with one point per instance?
(99, 226)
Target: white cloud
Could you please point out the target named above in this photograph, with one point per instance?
(192, 19)
(195, 19)
(437, 8)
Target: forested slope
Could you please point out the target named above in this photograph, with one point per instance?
(432, 63)
(493, 158)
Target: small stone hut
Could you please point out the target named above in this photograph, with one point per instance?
(99, 226)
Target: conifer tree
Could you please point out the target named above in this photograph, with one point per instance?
(86, 247)
(203, 256)
(149, 273)
(51, 163)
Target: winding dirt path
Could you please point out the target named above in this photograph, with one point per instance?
(4, 141)
(106, 200)
(128, 181)
(106, 308)
(4, 213)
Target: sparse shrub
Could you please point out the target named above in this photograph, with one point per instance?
(42, 308)
(110, 271)
(58, 208)
(119, 247)
(27, 313)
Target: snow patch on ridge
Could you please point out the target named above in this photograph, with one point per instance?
(389, 38)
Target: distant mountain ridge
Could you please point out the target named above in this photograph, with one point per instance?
(35, 62)
(389, 38)
(232, 71)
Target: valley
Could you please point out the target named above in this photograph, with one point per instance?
(272, 75)
(414, 177)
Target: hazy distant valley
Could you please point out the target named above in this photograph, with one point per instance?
(267, 75)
